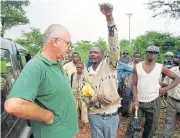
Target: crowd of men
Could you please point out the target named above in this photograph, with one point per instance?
(49, 94)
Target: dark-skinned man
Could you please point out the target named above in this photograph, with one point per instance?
(70, 67)
(173, 107)
(146, 91)
(103, 106)
(77, 83)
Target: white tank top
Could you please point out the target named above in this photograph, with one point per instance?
(148, 83)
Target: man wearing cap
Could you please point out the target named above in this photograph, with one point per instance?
(173, 108)
(126, 58)
(169, 60)
(146, 91)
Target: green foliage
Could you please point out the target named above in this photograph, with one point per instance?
(83, 47)
(165, 8)
(124, 45)
(101, 43)
(32, 40)
(13, 14)
(165, 41)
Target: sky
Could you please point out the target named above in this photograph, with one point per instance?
(84, 20)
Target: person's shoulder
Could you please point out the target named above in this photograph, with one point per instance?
(68, 64)
(119, 63)
(160, 65)
(175, 68)
(140, 63)
(35, 64)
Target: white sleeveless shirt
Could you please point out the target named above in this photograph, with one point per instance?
(148, 83)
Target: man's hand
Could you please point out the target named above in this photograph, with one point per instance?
(106, 8)
(49, 118)
(102, 99)
(136, 104)
(162, 90)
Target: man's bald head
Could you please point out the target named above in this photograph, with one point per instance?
(55, 30)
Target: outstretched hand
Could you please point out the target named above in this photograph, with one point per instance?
(106, 8)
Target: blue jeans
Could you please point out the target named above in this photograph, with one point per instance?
(103, 127)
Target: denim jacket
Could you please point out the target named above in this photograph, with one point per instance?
(123, 70)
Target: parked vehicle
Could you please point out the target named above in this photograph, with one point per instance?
(13, 58)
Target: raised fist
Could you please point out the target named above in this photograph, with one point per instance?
(106, 8)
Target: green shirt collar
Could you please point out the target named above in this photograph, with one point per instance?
(44, 59)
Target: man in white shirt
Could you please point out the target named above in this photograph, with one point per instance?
(146, 90)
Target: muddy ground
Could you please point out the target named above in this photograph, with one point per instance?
(124, 123)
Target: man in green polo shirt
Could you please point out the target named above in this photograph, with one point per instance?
(42, 93)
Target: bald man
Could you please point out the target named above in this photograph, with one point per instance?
(42, 93)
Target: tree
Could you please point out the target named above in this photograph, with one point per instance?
(32, 40)
(13, 14)
(101, 43)
(165, 42)
(165, 8)
(124, 45)
(83, 48)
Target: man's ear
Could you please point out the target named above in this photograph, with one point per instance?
(53, 41)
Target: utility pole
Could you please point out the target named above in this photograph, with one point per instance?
(129, 14)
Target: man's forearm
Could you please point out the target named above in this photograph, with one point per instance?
(26, 109)
(113, 32)
(114, 47)
(135, 93)
(174, 83)
(109, 18)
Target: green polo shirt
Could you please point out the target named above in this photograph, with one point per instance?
(45, 83)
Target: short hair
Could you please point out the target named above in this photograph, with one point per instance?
(101, 49)
(137, 52)
(81, 63)
(53, 30)
(75, 53)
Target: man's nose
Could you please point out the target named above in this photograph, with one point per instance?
(92, 54)
(69, 48)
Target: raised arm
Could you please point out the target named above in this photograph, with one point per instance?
(114, 48)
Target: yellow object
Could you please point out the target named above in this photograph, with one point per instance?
(3, 66)
(88, 90)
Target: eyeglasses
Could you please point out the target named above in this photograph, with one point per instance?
(69, 43)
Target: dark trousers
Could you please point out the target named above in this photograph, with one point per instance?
(126, 95)
(151, 111)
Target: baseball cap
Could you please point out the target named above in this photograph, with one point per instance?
(153, 49)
